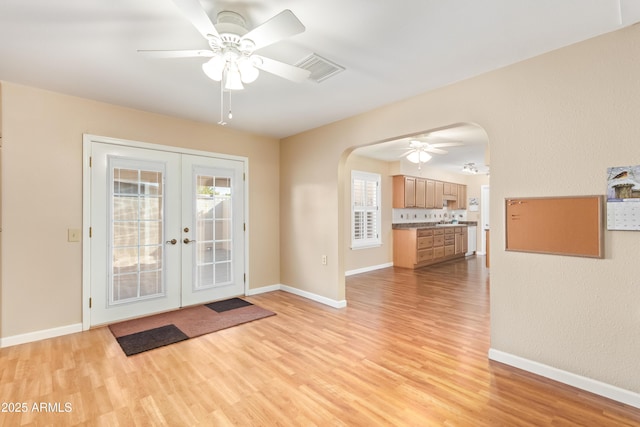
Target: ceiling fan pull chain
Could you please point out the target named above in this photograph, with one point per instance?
(222, 122)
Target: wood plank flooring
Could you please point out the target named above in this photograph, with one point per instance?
(409, 350)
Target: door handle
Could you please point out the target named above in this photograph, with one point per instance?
(172, 241)
(187, 241)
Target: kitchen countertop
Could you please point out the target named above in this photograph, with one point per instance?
(432, 225)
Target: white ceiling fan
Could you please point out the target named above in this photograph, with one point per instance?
(232, 46)
(420, 150)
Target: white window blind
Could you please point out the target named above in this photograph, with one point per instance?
(365, 209)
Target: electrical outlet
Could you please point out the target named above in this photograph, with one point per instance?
(324, 260)
(73, 235)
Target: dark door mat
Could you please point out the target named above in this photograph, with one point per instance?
(229, 304)
(150, 339)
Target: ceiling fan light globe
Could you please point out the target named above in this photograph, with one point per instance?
(214, 68)
(248, 72)
(418, 157)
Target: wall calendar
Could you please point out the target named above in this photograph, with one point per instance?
(623, 198)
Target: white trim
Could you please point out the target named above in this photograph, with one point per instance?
(367, 269)
(40, 335)
(308, 295)
(373, 246)
(263, 290)
(86, 223)
(314, 297)
(159, 147)
(597, 387)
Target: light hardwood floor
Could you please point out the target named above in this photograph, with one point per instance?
(409, 350)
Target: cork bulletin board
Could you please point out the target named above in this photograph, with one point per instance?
(555, 225)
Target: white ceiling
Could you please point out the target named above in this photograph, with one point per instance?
(391, 50)
(473, 140)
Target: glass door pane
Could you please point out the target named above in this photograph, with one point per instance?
(214, 216)
(136, 233)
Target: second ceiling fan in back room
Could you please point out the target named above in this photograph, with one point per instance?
(233, 61)
(420, 149)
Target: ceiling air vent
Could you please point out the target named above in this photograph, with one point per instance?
(321, 69)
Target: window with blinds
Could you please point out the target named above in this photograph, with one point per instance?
(365, 209)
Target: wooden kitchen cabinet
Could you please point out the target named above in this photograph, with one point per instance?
(419, 247)
(439, 186)
(446, 188)
(430, 198)
(449, 189)
(460, 242)
(409, 192)
(412, 248)
(414, 192)
(465, 240)
(449, 241)
(421, 192)
(404, 191)
(438, 244)
(461, 201)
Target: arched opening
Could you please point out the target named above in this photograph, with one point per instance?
(458, 153)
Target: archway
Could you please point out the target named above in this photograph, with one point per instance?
(386, 158)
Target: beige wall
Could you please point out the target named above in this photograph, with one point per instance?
(42, 196)
(369, 257)
(555, 123)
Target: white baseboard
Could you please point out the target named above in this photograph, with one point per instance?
(314, 297)
(596, 387)
(40, 335)
(263, 290)
(309, 295)
(367, 269)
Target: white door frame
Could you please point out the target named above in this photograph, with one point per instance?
(484, 218)
(87, 142)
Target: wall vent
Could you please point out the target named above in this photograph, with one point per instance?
(321, 68)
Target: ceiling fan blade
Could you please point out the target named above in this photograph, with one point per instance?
(445, 144)
(283, 25)
(176, 53)
(407, 153)
(281, 69)
(194, 12)
(434, 150)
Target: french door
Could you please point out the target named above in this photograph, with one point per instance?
(167, 230)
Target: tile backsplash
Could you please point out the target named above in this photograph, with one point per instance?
(403, 216)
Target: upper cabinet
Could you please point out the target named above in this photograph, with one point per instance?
(413, 192)
(461, 200)
(450, 189)
(439, 194)
(430, 196)
(404, 191)
(421, 192)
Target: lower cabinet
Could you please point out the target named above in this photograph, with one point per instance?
(461, 241)
(418, 247)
